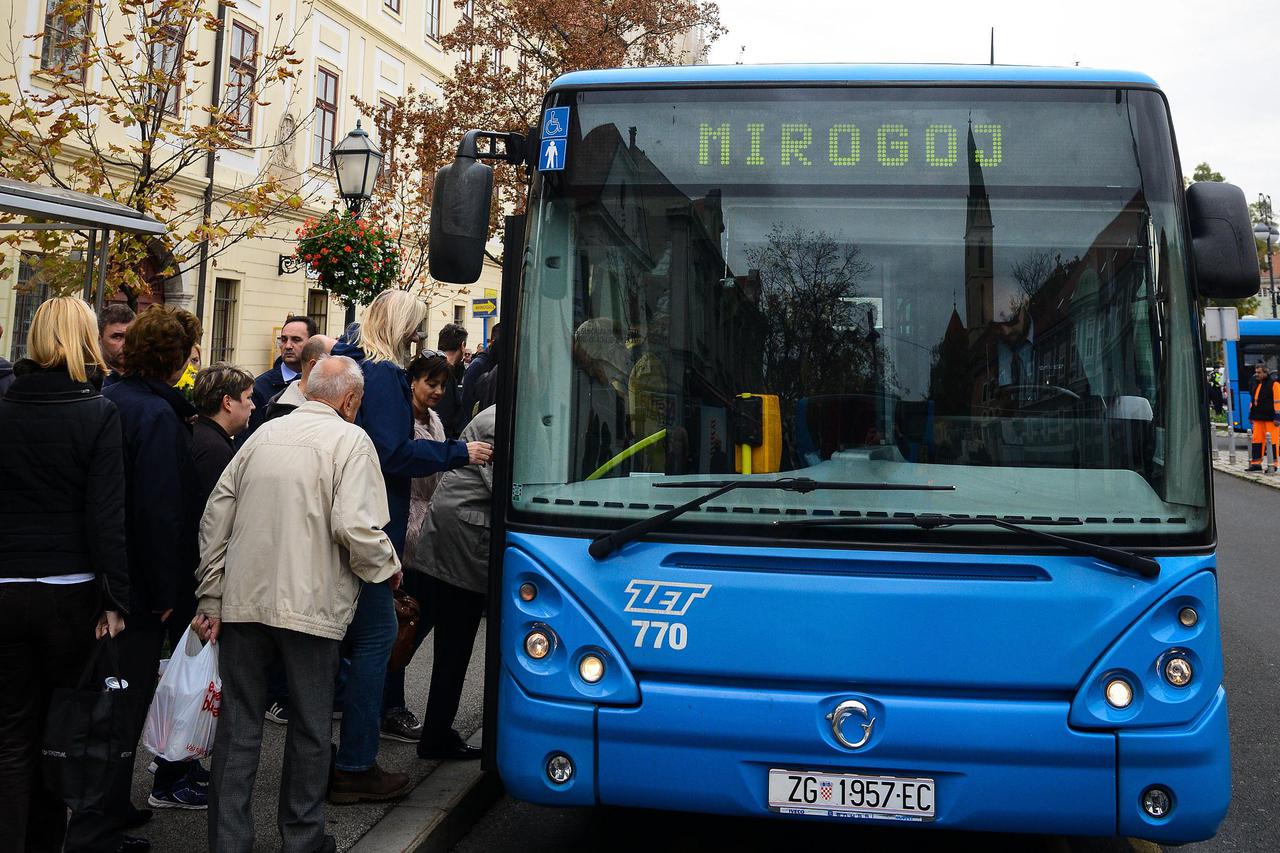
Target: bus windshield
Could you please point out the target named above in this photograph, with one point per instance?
(980, 287)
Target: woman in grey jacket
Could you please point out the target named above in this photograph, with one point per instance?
(453, 550)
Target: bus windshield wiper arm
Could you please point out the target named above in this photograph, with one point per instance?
(605, 545)
(1144, 566)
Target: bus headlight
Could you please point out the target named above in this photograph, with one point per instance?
(1177, 670)
(1119, 693)
(537, 645)
(591, 668)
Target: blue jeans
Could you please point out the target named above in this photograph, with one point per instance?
(371, 635)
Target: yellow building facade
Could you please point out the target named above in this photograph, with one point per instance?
(371, 49)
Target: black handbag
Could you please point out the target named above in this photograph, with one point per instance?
(87, 734)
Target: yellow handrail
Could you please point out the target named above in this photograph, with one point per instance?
(647, 441)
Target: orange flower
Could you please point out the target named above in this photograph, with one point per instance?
(346, 248)
(324, 251)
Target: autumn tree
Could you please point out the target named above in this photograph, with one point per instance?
(121, 106)
(414, 137)
(511, 50)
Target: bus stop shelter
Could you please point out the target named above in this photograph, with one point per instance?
(39, 208)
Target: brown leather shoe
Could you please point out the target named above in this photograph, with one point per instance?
(368, 786)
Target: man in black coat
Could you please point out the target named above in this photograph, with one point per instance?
(481, 363)
(222, 394)
(294, 334)
(452, 341)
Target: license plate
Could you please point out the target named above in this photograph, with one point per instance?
(851, 795)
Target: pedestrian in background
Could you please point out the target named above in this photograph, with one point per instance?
(294, 394)
(6, 369)
(160, 523)
(480, 364)
(453, 552)
(293, 527)
(1264, 416)
(62, 550)
(452, 342)
(381, 346)
(429, 378)
(294, 334)
(113, 322)
(223, 396)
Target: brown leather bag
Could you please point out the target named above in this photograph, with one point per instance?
(408, 613)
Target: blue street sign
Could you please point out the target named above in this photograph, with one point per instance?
(555, 123)
(551, 155)
(484, 307)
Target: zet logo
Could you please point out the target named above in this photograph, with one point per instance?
(667, 598)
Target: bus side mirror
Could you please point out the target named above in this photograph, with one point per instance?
(460, 216)
(1222, 246)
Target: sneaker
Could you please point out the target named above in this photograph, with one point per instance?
(401, 725)
(1254, 469)
(184, 796)
(367, 786)
(278, 713)
(197, 777)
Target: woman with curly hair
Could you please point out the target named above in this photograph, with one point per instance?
(161, 520)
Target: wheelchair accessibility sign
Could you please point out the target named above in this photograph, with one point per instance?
(555, 139)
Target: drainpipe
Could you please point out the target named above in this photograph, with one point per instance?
(219, 41)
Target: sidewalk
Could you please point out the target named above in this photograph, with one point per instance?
(1237, 469)
(441, 787)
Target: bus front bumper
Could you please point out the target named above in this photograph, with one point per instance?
(1004, 765)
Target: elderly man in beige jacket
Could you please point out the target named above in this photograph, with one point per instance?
(292, 528)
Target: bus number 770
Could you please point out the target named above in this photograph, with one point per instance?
(675, 634)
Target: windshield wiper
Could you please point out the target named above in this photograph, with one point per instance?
(1144, 566)
(605, 545)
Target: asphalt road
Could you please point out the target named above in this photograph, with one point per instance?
(1249, 567)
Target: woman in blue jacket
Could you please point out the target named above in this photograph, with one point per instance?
(382, 347)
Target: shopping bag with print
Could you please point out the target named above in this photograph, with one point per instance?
(184, 713)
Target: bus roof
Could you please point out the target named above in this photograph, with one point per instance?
(914, 74)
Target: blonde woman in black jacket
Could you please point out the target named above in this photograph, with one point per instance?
(62, 549)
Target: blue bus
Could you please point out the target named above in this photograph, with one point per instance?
(853, 448)
(1259, 341)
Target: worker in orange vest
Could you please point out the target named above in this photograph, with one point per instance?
(1266, 421)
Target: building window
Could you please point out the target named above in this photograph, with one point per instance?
(384, 121)
(496, 56)
(392, 5)
(243, 67)
(433, 18)
(459, 314)
(66, 35)
(224, 304)
(166, 62)
(468, 14)
(318, 309)
(29, 296)
(326, 114)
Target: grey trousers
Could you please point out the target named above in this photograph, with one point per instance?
(310, 663)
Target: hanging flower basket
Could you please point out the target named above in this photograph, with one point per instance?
(354, 260)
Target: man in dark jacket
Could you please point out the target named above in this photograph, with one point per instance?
(161, 521)
(294, 334)
(481, 363)
(113, 323)
(222, 394)
(452, 341)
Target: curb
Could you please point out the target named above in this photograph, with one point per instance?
(437, 813)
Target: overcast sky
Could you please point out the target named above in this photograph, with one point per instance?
(1217, 62)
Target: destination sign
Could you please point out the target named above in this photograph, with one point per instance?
(844, 140)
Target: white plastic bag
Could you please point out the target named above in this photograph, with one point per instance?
(184, 712)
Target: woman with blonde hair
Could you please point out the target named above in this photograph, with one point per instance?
(62, 549)
(392, 325)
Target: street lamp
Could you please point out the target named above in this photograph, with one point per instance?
(357, 162)
(1265, 229)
